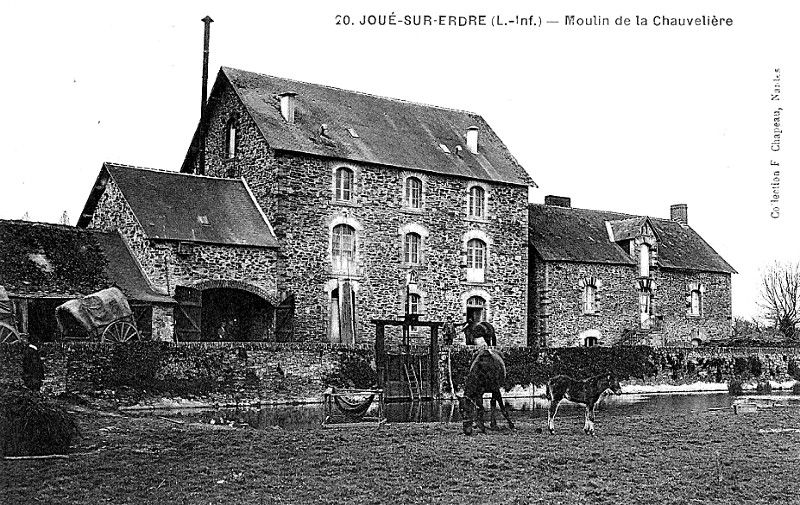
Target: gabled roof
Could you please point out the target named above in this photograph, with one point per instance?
(389, 131)
(176, 206)
(49, 260)
(626, 229)
(581, 235)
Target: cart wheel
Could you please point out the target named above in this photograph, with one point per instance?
(8, 334)
(119, 331)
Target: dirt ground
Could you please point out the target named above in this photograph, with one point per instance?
(682, 458)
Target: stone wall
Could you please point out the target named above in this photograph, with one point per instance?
(231, 373)
(296, 193)
(224, 373)
(618, 303)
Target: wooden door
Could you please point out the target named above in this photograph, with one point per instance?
(188, 314)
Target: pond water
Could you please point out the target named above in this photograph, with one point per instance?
(312, 415)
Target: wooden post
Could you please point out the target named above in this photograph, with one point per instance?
(434, 352)
(380, 354)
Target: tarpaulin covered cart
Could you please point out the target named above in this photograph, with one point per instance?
(103, 316)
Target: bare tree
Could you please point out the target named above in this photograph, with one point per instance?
(780, 296)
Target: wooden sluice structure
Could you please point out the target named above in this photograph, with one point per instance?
(406, 371)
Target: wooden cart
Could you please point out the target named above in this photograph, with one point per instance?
(104, 316)
(8, 320)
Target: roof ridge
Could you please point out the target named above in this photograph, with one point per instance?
(161, 170)
(364, 93)
(630, 216)
(42, 223)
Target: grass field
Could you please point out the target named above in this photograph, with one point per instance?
(702, 457)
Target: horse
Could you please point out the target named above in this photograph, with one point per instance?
(472, 332)
(586, 391)
(486, 374)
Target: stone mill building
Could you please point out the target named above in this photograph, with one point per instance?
(319, 209)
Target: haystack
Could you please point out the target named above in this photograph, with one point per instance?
(31, 425)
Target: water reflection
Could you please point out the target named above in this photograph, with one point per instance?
(312, 415)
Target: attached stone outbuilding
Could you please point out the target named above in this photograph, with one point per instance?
(606, 278)
(203, 241)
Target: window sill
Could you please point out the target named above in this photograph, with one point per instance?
(480, 220)
(477, 284)
(412, 210)
(345, 203)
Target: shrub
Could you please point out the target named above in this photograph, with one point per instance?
(735, 386)
(33, 426)
(764, 387)
(796, 388)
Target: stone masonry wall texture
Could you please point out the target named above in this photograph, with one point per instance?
(296, 193)
(618, 308)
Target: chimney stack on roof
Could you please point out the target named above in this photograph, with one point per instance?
(679, 213)
(558, 201)
(472, 139)
(287, 106)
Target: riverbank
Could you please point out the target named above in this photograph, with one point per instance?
(678, 457)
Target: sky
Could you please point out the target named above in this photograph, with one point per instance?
(628, 118)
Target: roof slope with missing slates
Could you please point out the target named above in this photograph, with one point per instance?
(390, 132)
(49, 260)
(175, 206)
(581, 235)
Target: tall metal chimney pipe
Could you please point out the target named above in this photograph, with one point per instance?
(201, 167)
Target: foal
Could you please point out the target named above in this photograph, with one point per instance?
(585, 391)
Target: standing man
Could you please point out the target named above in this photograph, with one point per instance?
(32, 367)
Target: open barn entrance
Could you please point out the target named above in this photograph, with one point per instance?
(235, 315)
(222, 315)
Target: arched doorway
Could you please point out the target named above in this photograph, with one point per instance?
(223, 314)
(476, 309)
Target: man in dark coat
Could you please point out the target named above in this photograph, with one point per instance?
(32, 367)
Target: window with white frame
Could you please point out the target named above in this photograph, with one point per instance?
(589, 299)
(477, 202)
(343, 248)
(230, 139)
(644, 260)
(413, 193)
(412, 249)
(344, 184)
(476, 260)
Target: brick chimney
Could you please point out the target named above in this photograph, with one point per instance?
(679, 213)
(558, 201)
(472, 139)
(287, 106)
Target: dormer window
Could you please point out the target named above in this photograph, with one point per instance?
(344, 184)
(230, 139)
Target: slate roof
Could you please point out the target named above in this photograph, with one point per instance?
(390, 131)
(176, 206)
(55, 261)
(581, 235)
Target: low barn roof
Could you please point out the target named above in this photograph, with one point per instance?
(581, 235)
(387, 131)
(184, 207)
(49, 260)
